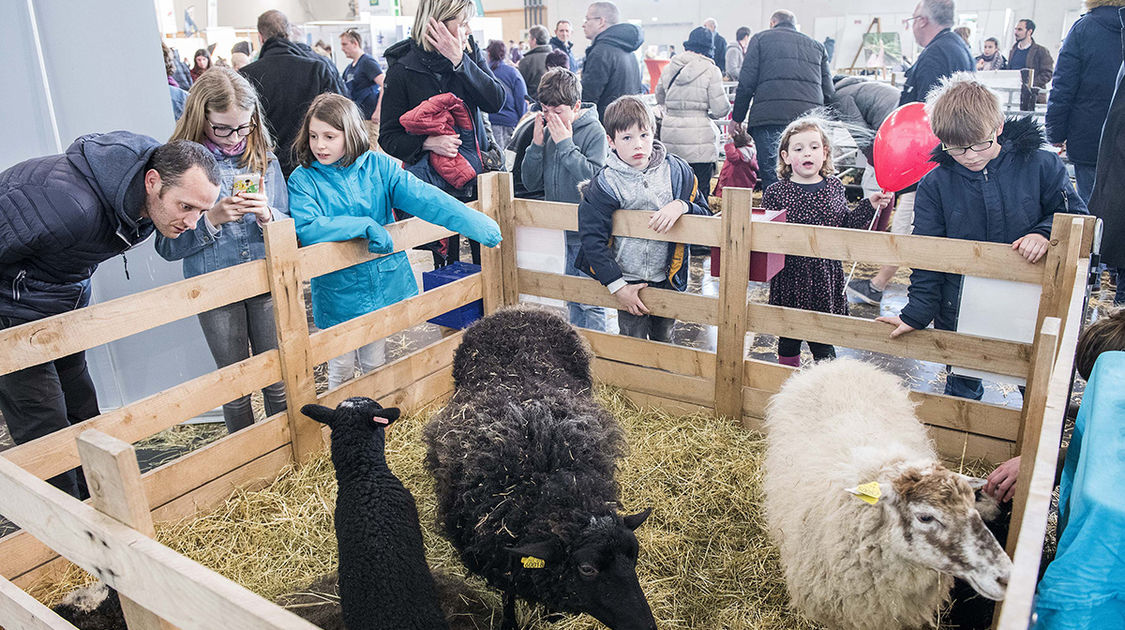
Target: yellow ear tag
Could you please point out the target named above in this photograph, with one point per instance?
(868, 492)
(531, 562)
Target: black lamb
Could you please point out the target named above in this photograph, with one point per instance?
(523, 460)
(384, 581)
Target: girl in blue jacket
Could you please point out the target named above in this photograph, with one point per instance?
(224, 114)
(341, 191)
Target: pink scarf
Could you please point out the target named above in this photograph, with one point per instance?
(229, 152)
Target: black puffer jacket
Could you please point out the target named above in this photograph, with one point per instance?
(61, 215)
(611, 69)
(414, 75)
(1108, 198)
(786, 74)
(288, 79)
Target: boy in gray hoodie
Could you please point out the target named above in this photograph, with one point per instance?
(568, 147)
(639, 175)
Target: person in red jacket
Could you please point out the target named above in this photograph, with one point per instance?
(741, 167)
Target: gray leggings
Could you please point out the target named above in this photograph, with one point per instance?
(231, 332)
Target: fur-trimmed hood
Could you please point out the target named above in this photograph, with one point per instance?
(1093, 4)
(1021, 136)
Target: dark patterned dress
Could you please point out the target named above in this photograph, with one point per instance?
(814, 284)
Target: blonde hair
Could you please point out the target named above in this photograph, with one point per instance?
(808, 123)
(340, 113)
(963, 110)
(218, 90)
(442, 11)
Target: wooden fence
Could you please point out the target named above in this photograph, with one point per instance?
(112, 538)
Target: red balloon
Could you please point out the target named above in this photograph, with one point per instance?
(902, 148)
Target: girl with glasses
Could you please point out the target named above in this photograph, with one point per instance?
(224, 114)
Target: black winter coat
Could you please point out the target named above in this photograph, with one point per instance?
(611, 69)
(287, 80)
(533, 66)
(785, 73)
(720, 53)
(945, 54)
(61, 215)
(414, 75)
(1016, 194)
(1083, 83)
(1108, 198)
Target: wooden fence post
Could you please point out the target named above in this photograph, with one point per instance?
(498, 265)
(282, 269)
(116, 490)
(734, 282)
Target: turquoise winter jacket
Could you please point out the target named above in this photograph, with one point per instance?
(333, 203)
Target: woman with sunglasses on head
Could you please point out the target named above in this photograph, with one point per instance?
(224, 114)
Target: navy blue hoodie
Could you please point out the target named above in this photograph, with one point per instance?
(1017, 193)
(61, 215)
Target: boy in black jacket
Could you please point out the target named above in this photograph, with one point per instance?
(993, 183)
(639, 175)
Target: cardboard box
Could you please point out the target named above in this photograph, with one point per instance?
(763, 265)
(461, 317)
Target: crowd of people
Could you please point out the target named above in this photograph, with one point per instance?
(344, 154)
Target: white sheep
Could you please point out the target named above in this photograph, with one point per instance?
(876, 556)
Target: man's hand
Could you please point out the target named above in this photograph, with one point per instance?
(1032, 247)
(537, 134)
(559, 130)
(880, 200)
(629, 298)
(450, 46)
(901, 328)
(228, 209)
(1001, 483)
(663, 219)
(442, 145)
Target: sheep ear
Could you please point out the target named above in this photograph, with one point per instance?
(633, 521)
(386, 416)
(537, 555)
(976, 483)
(320, 413)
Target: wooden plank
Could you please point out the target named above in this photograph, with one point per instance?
(251, 476)
(666, 303)
(388, 320)
(56, 452)
(1063, 251)
(975, 258)
(290, 315)
(653, 354)
(60, 335)
(172, 586)
(114, 478)
(404, 373)
(321, 258)
(733, 314)
(959, 414)
(695, 229)
(20, 611)
(630, 377)
(45, 574)
(491, 260)
(666, 405)
(940, 346)
(497, 192)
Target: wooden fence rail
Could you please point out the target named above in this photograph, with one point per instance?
(722, 383)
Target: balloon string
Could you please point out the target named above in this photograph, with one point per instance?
(870, 227)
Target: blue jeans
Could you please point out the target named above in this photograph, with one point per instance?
(232, 331)
(1084, 176)
(963, 386)
(581, 315)
(766, 138)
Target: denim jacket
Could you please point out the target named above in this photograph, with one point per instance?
(236, 242)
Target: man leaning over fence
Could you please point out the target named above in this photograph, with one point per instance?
(62, 215)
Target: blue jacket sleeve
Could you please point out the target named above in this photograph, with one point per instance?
(519, 93)
(595, 227)
(924, 295)
(1064, 87)
(1057, 193)
(430, 204)
(316, 224)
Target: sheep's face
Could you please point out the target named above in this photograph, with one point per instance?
(938, 526)
(597, 575)
(357, 413)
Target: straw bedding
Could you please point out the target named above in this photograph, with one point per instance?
(705, 559)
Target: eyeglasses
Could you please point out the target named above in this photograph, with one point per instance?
(979, 147)
(908, 20)
(222, 131)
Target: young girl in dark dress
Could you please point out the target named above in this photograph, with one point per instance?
(811, 195)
